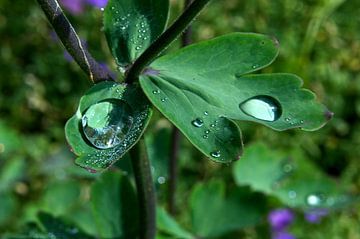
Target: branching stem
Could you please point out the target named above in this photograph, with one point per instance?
(160, 44)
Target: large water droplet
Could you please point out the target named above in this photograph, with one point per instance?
(262, 107)
(107, 123)
(197, 122)
(315, 199)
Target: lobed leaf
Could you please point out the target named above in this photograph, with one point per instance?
(204, 85)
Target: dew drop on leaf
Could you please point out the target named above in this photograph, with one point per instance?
(161, 180)
(156, 92)
(106, 124)
(287, 168)
(262, 107)
(197, 122)
(215, 154)
(292, 194)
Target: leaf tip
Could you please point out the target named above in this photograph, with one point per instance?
(275, 41)
(328, 115)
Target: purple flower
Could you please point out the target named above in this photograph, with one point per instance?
(315, 216)
(279, 219)
(97, 3)
(75, 7)
(283, 235)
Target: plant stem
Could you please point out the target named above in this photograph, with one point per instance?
(72, 42)
(145, 191)
(165, 39)
(175, 138)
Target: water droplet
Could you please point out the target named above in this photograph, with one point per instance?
(102, 9)
(164, 99)
(315, 199)
(207, 131)
(212, 125)
(112, 8)
(205, 136)
(206, 113)
(161, 180)
(197, 122)
(301, 121)
(122, 69)
(292, 194)
(106, 124)
(287, 168)
(287, 119)
(262, 107)
(215, 154)
(137, 48)
(156, 92)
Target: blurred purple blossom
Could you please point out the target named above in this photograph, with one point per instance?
(75, 7)
(279, 219)
(283, 235)
(97, 3)
(315, 216)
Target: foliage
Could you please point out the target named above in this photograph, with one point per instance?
(40, 91)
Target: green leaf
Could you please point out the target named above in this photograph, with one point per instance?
(215, 214)
(114, 206)
(204, 84)
(168, 225)
(61, 197)
(132, 25)
(49, 227)
(158, 149)
(288, 176)
(110, 119)
(56, 228)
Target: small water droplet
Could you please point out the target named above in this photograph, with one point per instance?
(122, 69)
(206, 113)
(287, 119)
(292, 194)
(197, 122)
(207, 131)
(205, 136)
(262, 107)
(156, 92)
(215, 154)
(112, 8)
(301, 121)
(164, 99)
(161, 180)
(102, 9)
(106, 124)
(315, 199)
(287, 168)
(137, 48)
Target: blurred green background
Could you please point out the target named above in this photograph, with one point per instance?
(40, 89)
